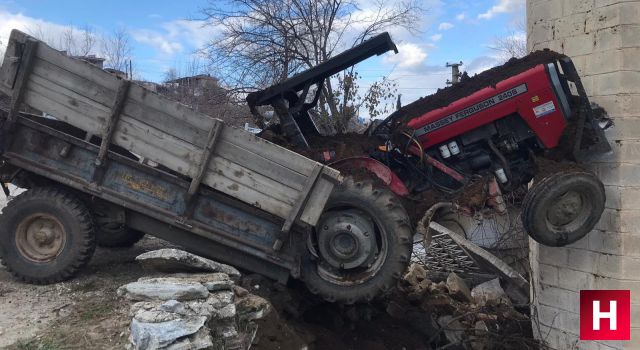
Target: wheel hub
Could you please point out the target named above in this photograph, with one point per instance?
(40, 237)
(346, 239)
(565, 209)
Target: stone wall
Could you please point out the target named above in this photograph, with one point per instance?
(603, 39)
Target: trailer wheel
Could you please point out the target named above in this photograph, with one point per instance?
(115, 235)
(47, 235)
(361, 245)
(563, 207)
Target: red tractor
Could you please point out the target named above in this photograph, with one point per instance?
(527, 120)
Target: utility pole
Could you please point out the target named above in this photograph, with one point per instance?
(455, 73)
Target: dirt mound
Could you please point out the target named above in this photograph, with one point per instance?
(469, 85)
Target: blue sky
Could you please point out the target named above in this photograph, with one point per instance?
(164, 37)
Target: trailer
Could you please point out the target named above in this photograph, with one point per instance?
(216, 190)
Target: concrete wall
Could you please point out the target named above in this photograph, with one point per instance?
(603, 38)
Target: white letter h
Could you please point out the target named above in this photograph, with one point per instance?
(598, 315)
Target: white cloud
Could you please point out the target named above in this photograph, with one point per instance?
(158, 41)
(461, 16)
(409, 55)
(503, 6)
(436, 37)
(445, 26)
(51, 33)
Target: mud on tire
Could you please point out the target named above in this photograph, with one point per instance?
(393, 233)
(46, 236)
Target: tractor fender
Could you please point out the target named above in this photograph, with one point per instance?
(381, 171)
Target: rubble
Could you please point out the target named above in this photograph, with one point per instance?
(175, 260)
(453, 315)
(458, 288)
(191, 311)
(163, 289)
(490, 293)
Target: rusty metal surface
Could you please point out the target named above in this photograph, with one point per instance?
(141, 189)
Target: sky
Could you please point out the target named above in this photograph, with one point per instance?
(166, 34)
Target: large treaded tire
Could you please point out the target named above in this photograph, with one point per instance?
(78, 231)
(542, 201)
(121, 238)
(385, 208)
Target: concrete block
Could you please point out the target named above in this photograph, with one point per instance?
(577, 6)
(548, 316)
(612, 15)
(583, 260)
(548, 274)
(627, 151)
(544, 10)
(541, 31)
(618, 174)
(614, 195)
(612, 60)
(629, 221)
(605, 242)
(553, 256)
(580, 44)
(625, 111)
(620, 267)
(617, 37)
(630, 198)
(609, 221)
(575, 280)
(603, 3)
(563, 299)
(619, 82)
(601, 282)
(570, 26)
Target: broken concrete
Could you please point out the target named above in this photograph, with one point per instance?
(458, 288)
(490, 293)
(163, 289)
(160, 335)
(191, 311)
(174, 260)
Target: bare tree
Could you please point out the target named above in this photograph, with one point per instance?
(86, 42)
(74, 41)
(116, 49)
(262, 42)
(514, 44)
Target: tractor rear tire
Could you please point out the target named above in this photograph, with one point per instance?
(47, 235)
(563, 207)
(381, 209)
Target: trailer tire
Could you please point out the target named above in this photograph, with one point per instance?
(120, 237)
(392, 230)
(47, 235)
(563, 207)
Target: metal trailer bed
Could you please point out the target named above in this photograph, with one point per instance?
(226, 193)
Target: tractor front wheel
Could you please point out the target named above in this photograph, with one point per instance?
(563, 207)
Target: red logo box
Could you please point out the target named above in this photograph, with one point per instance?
(605, 315)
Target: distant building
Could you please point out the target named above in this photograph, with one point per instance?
(149, 85)
(93, 59)
(118, 73)
(196, 84)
